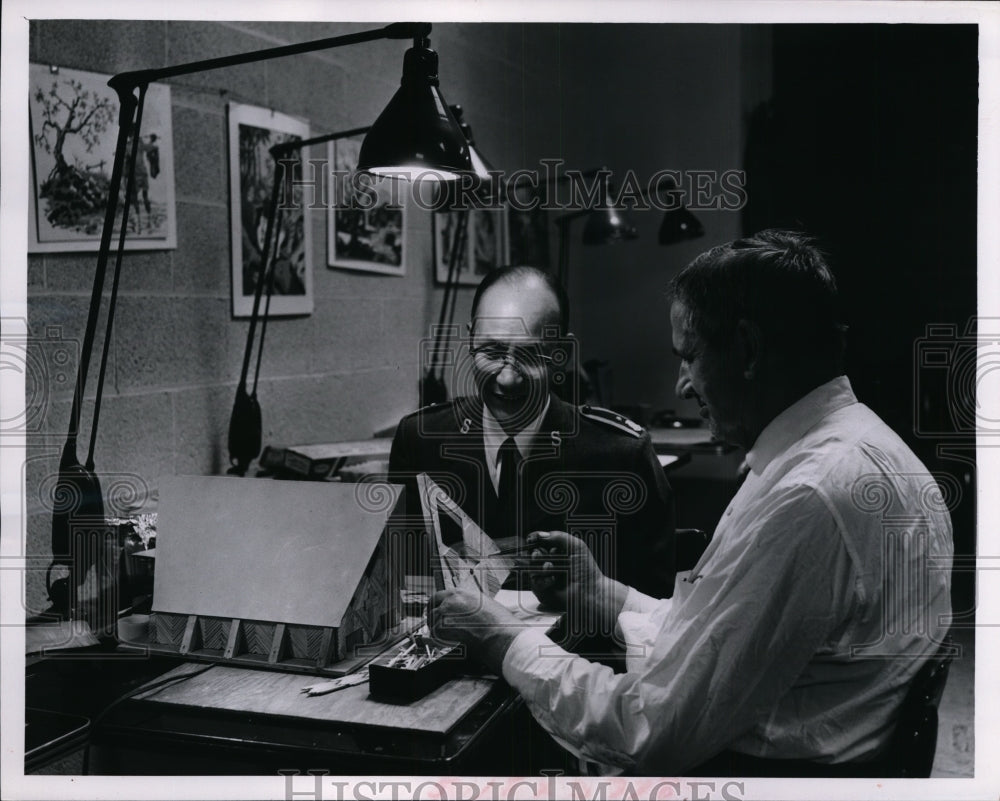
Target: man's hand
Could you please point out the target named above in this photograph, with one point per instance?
(566, 578)
(476, 621)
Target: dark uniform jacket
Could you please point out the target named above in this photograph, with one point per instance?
(590, 472)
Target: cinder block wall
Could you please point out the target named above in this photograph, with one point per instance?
(343, 372)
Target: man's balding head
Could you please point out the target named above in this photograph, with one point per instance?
(531, 289)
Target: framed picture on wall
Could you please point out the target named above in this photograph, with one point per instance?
(73, 119)
(528, 237)
(252, 132)
(366, 216)
(484, 247)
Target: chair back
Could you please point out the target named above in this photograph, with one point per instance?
(911, 750)
(690, 545)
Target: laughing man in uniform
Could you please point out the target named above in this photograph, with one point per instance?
(518, 459)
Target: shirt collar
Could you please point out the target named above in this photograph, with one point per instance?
(792, 424)
(494, 435)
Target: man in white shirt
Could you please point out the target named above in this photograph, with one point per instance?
(825, 584)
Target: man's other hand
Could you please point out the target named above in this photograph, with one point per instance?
(566, 578)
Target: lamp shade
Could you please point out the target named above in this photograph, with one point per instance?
(485, 184)
(481, 167)
(678, 225)
(416, 135)
(607, 225)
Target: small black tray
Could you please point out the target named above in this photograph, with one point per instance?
(399, 683)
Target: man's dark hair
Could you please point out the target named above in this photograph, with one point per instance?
(516, 274)
(778, 280)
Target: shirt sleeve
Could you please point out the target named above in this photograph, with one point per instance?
(718, 659)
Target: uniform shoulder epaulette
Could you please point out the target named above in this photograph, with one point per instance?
(431, 407)
(613, 419)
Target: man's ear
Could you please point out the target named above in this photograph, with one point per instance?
(571, 348)
(749, 347)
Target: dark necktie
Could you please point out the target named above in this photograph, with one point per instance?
(508, 506)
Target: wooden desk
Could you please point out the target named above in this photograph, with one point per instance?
(224, 719)
(244, 721)
(264, 692)
(239, 721)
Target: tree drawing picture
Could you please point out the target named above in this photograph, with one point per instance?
(74, 129)
(253, 131)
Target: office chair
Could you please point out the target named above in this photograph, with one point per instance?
(911, 751)
(689, 545)
(909, 755)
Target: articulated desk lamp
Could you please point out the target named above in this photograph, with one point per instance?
(415, 135)
(245, 424)
(608, 224)
(678, 223)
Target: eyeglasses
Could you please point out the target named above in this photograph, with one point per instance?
(519, 356)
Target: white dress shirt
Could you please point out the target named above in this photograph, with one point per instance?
(494, 436)
(826, 582)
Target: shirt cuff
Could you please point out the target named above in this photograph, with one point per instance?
(636, 601)
(529, 658)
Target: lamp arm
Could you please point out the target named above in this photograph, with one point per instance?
(563, 223)
(112, 302)
(126, 117)
(278, 152)
(397, 30)
(124, 84)
(450, 288)
(451, 292)
(283, 149)
(271, 258)
(261, 280)
(593, 172)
